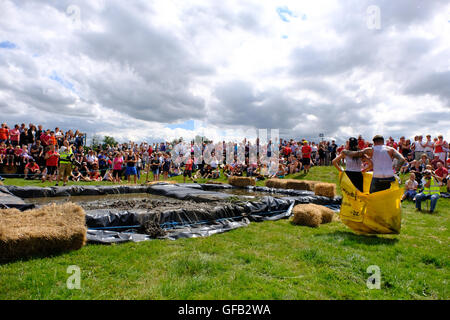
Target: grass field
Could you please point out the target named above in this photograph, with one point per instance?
(268, 260)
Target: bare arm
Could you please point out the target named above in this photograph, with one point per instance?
(395, 154)
(337, 160)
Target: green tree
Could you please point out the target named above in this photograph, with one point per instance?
(107, 140)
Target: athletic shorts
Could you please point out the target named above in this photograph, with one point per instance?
(187, 173)
(131, 171)
(51, 170)
(380, 184)
(155, 171)
(306, 161)
(117, 173)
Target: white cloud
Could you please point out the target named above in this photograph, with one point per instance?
(231, 66)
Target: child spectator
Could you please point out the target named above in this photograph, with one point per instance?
(410, 188)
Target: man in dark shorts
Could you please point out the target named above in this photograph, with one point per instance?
(306, 156)
(155, 166)
(51, 162)
(131, 160)
(188, 169)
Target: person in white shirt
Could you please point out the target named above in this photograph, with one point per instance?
(429, 147)
(418, 147)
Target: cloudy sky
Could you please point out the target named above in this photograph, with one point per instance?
(163, 69)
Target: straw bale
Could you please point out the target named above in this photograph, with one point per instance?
(44, 231)
(306, 215)
(325, 189)
(241, 181)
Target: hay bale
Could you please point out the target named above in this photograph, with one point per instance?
(306, 215)
(241, 181)
(327, 214)
(277, 183)
(325, 189)
(298, 184)
(48, 230)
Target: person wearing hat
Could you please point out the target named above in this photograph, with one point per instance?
(353, 166)
(382, 159)
(431, 190)
(33, 168)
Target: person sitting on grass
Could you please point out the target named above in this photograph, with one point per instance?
(431, 190)
(215, 173)
(281, 172)
(75, 175)
(84, 171)
(207, 172)
(411, 186)
(33, 169)
(108, 176)
(94, 174)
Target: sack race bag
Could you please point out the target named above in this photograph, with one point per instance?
(370, 213)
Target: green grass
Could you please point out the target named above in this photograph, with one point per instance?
(268, 260)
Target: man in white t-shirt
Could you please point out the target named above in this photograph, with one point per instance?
(429, 147)
(418, 148)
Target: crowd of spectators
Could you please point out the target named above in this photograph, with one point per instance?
(36, 153)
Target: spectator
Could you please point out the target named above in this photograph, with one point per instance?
(431, 190)
(411, 186)
(51, 162)
(130, 161)
(33, 169)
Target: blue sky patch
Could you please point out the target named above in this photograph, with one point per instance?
(285, 13)
(54, 76)
(7, 45)
(187, 125)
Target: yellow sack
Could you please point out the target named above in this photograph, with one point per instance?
(370, 213)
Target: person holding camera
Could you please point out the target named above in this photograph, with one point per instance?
(65, 163)
(431, 190)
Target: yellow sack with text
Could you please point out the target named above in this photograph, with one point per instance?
(370, 213)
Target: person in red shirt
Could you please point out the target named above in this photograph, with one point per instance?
(361, 143)
(188, 168)
(51, 162)
(306, 156)
(4, 133)
(45, 138)
(33, 168)
(442, 175)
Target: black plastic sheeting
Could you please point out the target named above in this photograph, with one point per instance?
(42, 192)
(8, 201)
(125, 226)
(193, 192)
